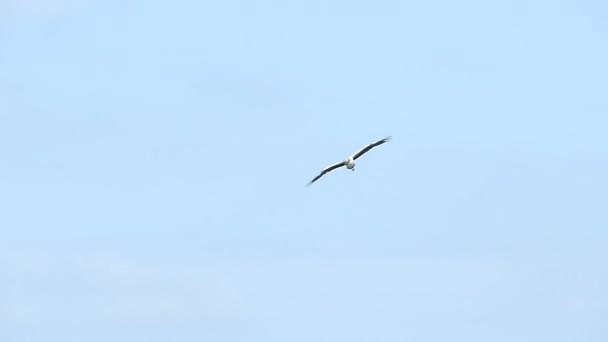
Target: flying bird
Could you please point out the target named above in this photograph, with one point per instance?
(350, 161)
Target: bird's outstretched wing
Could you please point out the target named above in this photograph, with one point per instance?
(327, 169)
(369, 147)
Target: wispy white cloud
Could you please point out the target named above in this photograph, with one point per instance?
(109, 287)
(90, 290)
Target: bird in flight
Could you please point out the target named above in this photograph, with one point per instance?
(350, 161)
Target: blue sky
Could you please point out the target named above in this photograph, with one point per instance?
(155, 156)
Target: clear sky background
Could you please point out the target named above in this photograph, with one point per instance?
(154, 157)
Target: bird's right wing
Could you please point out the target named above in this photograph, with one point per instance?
(327, 169)
(369, 147)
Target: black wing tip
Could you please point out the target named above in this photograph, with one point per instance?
(380, 142)
(312, 181)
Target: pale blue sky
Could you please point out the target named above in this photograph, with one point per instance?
(155, 155)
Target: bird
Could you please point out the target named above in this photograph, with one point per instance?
(350, 161)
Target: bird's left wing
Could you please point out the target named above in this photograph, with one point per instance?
(327, 169)
(369, 147)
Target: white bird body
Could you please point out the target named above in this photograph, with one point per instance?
(350, 161)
